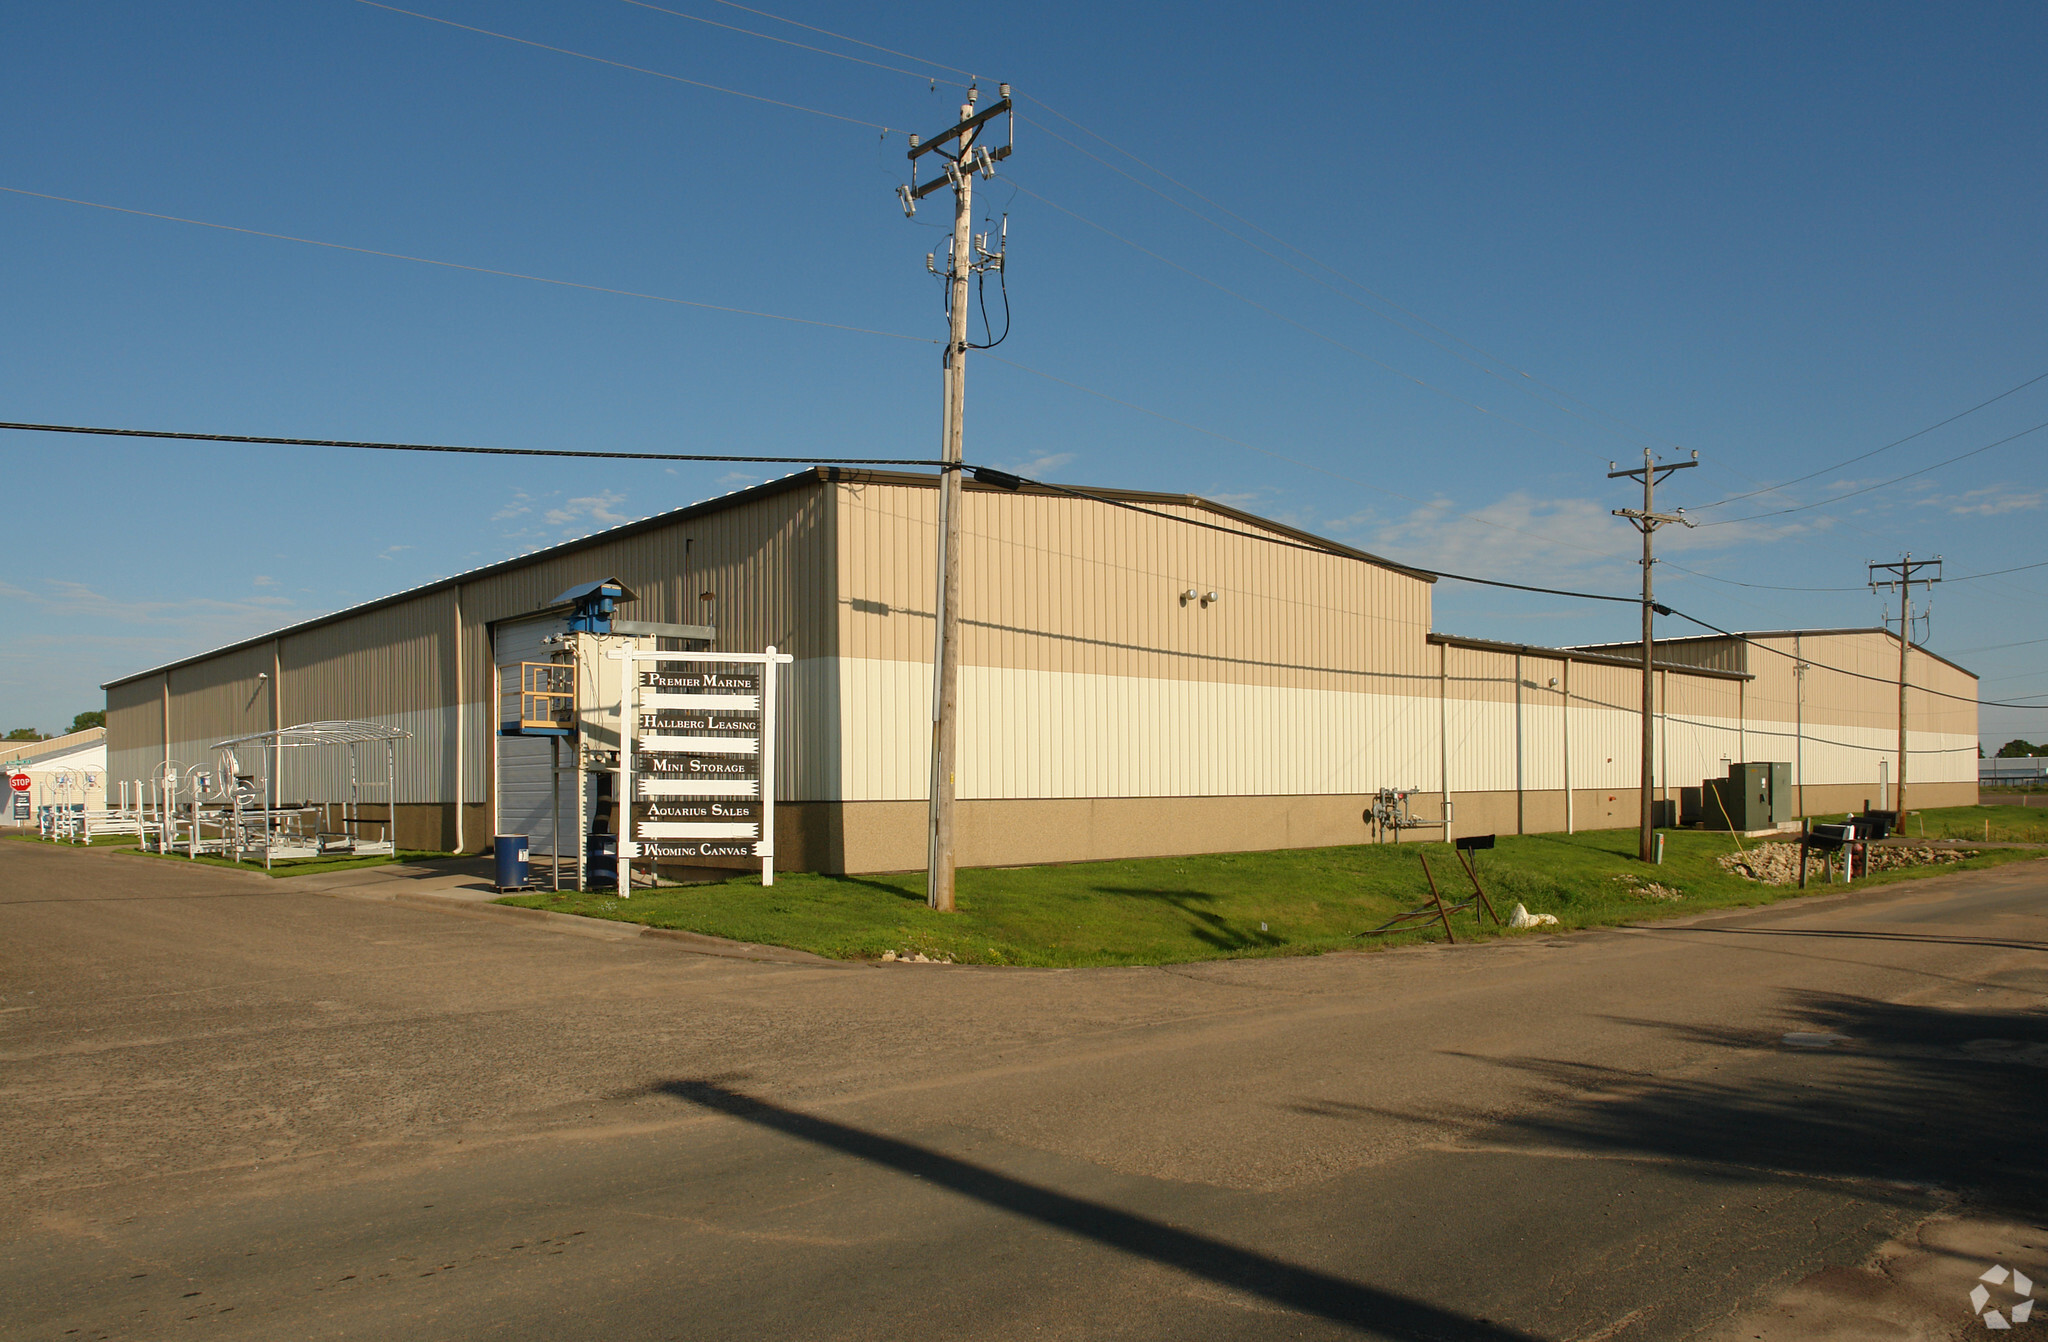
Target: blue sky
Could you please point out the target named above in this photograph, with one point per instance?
(1780, 235)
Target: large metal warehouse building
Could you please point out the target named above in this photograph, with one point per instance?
(1111, 705)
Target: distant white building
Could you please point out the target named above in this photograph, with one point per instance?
(69, 770)
(2026, 769)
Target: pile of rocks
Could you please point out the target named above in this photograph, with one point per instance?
(1778, 863)
(1638, 888)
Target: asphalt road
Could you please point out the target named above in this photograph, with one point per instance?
(232, 1109)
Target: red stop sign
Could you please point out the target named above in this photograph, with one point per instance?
(19, 782)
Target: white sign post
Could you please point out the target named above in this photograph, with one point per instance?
(697, 757)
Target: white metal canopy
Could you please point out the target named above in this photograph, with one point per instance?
(319, 734)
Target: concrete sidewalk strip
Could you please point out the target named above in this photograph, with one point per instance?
(422, 886)
(467, 900)
(463, 894)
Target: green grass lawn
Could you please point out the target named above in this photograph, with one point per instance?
(305, 866)
(2006, 824)
(1174, 909)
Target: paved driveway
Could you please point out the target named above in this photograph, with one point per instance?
(234, 1108)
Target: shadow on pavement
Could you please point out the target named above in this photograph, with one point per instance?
(1883, 1093)
(1298, 1288)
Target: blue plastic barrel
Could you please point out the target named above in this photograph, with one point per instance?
(602, 862)
(510, 852)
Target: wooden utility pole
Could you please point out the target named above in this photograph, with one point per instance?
(1904, 580)
(967, 255)
(1647, 520)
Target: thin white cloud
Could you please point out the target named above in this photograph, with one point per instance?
(520, 504)
(599, 508)
(1040, 466)
(1990, 501)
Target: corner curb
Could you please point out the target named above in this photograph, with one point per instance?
(604, 929)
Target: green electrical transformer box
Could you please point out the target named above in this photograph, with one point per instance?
(1755, 795)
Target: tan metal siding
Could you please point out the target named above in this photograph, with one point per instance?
(135, 730)
(393, 665)
(1084, 673)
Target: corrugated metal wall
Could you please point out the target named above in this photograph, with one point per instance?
(135, 718)
(767, 562)
(1086, 671)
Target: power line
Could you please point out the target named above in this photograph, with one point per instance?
(1897, 442)
(1773, 587)
(475, 270)
(1842, 671)
(1995, 647)
(1523, 373)
(1292, 461)
(1270, 539)
(1998, 572)
(470, 451)
(1304, 327)
(1004, 476)
(1316, 279)
(1324, 265)
(1759, 586)
(636, 69)
(770, 37)
(889, 51)
(1780, 512)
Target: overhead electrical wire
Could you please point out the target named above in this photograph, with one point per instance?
(1481, 364)
(770, 37)
(468, 450)
(1844, 671)
(1361, 287)
(842, 37)
(1882, 484)
(1003, 476)
(1292, 461)
(1995, 647)
(636, 69)
(1268, 538)
(1304, 327)
(1758, 586)
(1774, 587)
(1333, 270)
(475, 270)
(1864, 456)
(372, 446)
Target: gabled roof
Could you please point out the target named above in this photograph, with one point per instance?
(811, 477)
(1741, 634)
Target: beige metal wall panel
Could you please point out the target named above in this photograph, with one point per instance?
(394, 665)
(1542, 730)
(1841, 725)
(1061, 734)
(135, 729)
(1606, 729)
(768, 565)
(1079, 586)
(1700, 730)
(225, 696)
